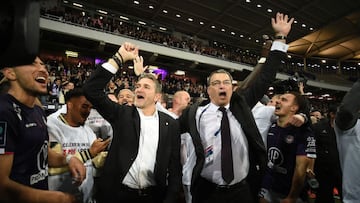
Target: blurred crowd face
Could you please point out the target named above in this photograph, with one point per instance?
(126, 97)
(145, 93)
(31, 78)
(220, 89)
(182, 98)
(69, 86)
(316, 114)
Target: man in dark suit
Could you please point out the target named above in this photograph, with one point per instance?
(143, 163)
(236, 176)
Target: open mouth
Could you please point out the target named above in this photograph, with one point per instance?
(222, 94)
(139, 97)
(40, 79)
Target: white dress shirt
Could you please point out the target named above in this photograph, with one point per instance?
(208, 121)
(141, 173)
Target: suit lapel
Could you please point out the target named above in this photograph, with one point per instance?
(163, 141)
(136, 119)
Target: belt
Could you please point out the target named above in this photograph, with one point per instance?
(141, 192)
(224, 187)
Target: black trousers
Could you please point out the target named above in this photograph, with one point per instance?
(130, 195)
(329, 176)
(208, 192)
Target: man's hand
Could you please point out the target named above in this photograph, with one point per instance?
(296, 120)
(66, 198)
(281, 25)
(77, 169)
(128, 52)
(98, 146)
(139, 65)
(288, 200)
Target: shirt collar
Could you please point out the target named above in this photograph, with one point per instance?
(213, 107)
(155, 115)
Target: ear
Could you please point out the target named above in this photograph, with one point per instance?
(157, 97)
(9, 73)
(294, 108)
(69, 105)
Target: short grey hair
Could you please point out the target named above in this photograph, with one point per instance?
(158, 88)
(216, 72)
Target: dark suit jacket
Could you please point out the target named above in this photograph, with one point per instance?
(240, 105)
(125, 121)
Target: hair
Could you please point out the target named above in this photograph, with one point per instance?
(152, 77)
(76, 92)
(332, 108)
(301, 101)
(216, 72)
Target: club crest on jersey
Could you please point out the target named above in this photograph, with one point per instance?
(289, 139)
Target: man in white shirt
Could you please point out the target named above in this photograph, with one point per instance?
(143, 163)
(231, 172)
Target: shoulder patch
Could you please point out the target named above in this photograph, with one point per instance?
(3, 126)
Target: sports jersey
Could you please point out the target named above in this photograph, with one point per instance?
(284, 144)
(23, 133)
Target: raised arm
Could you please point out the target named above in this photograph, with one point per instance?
(348, 112)
(281, 26)
(94, 86)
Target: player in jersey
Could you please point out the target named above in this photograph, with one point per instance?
(288, 151)
(24, 145)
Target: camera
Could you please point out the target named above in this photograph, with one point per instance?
(19, 32)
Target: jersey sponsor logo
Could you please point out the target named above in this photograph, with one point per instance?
(276, 159)
(17, 110)
(311, 142)
(42, 165)
(3, 126)
(275, 156)
(29, 125)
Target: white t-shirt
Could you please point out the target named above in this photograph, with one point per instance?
(72, 139)
(264, 116)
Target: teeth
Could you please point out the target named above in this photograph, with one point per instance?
(40, 79)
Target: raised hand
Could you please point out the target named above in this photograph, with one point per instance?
(127, 52)
(139, 65)
(281, 25)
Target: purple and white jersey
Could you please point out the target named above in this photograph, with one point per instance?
(23, 133)
(283, 145)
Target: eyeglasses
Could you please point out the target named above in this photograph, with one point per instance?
(218, 82)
